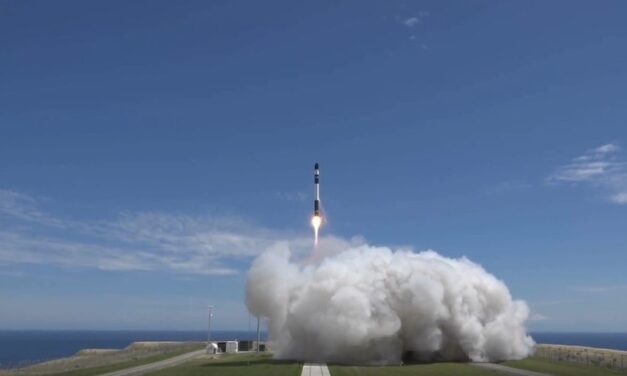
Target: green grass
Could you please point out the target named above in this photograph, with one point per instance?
(234, 365)
(122, 365)
(264, 365)
(444, 369)
(562, 368)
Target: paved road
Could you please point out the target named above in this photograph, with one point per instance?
(140, 370)
(509, 370)
(315, 369)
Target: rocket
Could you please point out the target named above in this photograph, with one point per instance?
(316, 190)
(316, 220)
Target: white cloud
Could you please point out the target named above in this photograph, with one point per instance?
(415, 20)
(619, 198)
(411, 22)
(602, 167)
(134, 241)
(607, 148)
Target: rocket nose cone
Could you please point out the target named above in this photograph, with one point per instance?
(316, 167)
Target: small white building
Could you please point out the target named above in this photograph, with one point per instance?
(231, 347)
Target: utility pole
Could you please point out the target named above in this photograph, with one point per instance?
(258, 335)
(209, 325)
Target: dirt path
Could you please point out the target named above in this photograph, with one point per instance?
(140, 370)
(509, 370)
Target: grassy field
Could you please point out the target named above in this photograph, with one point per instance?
(118, 366)
(444, 369)
(232, 365)
(562, 368)
(95, 362)
(263, 365)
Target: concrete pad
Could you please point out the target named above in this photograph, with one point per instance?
(315, 369)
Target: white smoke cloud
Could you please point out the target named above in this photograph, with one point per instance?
(365, 304)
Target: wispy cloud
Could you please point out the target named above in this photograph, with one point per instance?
(292, 196)
(133, 241)
(24, 207)
(416, 20)
(411, 21)
(553, 302)
(535, 317)
(603, 167)
(600, 289)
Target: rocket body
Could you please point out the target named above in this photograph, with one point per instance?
(316, 220)
(316, 190)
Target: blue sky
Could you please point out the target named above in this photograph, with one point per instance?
(149, 150)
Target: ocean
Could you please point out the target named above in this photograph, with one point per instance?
(23, 347)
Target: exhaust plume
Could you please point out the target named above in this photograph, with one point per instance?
(363, 304)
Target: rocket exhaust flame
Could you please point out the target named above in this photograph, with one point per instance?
(316, 220)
